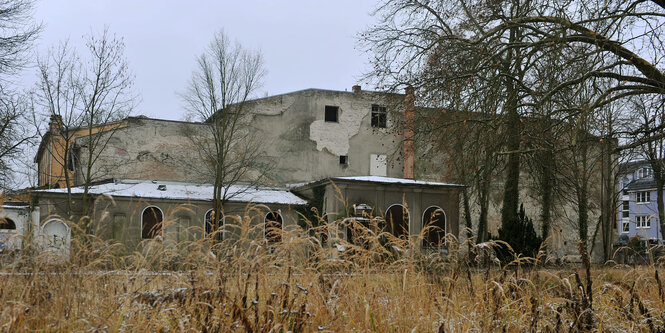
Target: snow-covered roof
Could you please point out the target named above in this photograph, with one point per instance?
(188, 191)
(382, 180)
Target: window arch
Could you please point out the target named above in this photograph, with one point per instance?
(434, 224)
(273, 226)
(397, 220)
(7, 224)
(209, 224)
(151, 222)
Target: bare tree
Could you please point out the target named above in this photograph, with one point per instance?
(227, 75)
(85, 100)
(17, 33)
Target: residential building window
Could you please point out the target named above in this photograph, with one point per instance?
(379, 116)
(332, 114)
(643, 196)
(625, 208)
(645, 172)
(643, 221)
(625, 226)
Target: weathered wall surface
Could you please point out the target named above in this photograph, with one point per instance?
(380, 197)
(120, 218)
(147, 149)
(304, 147)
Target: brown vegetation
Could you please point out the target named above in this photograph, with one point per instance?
(298, 285)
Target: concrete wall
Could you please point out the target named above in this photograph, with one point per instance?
(304, 147)
(120, 218)
(13, 239)
(147, 149)
(339, 198)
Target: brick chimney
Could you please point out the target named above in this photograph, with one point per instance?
(55, 124)
(356, 89)
(409, 108)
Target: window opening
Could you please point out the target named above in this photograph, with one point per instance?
(434, 222)
(397, 220)
(643, 221)
(643, 196)
(344, 160)
(332, 114)
(273, 227)
(7, 224)
(379, 116)
(151, 221)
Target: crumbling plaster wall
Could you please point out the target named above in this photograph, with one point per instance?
(304, 147)
(148, 149)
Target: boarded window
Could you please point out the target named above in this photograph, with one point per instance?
(7, 224)
(332, 114)
(273, 225)
(151, 222)
(378, 165)
(119, 221)
(434, 224)
(379, 116)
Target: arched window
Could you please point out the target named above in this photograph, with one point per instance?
(7, 224)
(397, 220)
(209, 223)
(151, 222)
(273, 226)
(434, 225)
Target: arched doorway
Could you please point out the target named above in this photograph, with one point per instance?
(397, 220)
(434, 226)
(151, 222)
(273, 227)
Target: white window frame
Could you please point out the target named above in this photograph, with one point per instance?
(643, 197)
(643, 221)
(644, 172)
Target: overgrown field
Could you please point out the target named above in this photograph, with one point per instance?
(300, 286)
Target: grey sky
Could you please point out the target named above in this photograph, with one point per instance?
(306, 44)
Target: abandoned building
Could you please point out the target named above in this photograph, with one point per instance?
(347, 154)
(149, 171)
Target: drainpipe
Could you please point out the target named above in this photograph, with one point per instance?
(409, 106)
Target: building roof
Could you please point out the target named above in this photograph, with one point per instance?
(641, 184)
(187, 191)
(377, 180)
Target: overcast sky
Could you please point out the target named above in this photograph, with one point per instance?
(306, 44)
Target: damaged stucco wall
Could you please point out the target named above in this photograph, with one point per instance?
(304, 147)
(147, 149)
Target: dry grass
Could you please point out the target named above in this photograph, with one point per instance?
(299, 285)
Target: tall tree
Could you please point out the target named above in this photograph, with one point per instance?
(85, 99)
(227, 75)
(17, 33)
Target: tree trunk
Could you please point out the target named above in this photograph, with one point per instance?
(513, 125)
(546, 158)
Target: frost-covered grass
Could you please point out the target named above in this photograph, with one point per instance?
(299, 285)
